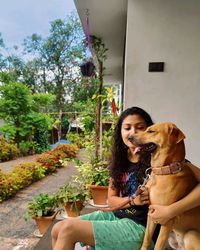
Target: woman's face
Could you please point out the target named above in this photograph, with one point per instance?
(132, 125)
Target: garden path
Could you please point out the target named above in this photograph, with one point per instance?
(15, 233)
(9, 165)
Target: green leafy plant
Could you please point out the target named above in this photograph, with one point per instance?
(76, 138)
(95, 173)
(27, 147)
(42, 205)
(71, 193)
(107, 144)
(72, 196)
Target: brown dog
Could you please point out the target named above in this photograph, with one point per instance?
(171, 179)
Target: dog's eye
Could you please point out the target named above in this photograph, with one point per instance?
(150, 131)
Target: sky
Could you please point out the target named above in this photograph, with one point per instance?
(22, 18)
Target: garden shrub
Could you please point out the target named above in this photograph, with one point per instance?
(8, 151)
(76, 138)
(27, 173)
(35, 126)
(49, 161)
(41, 135)
(27, 147)
(33, 170)
(60, 155)
(22, 176)
(3, 186)
(70, 150)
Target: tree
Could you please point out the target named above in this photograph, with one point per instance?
(22, 113)
(15, 103)
(2, 57)
(58, 55)
(100, 51)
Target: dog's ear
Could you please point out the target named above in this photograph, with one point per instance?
(176, 135)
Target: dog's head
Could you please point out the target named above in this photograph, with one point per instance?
(161, 137)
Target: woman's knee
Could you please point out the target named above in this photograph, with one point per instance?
(68, 228)
(56, 228)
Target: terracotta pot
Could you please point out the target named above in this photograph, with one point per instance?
(99, 194)
(44, 222)
(73, 210)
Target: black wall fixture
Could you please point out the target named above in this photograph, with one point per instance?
(156, 67)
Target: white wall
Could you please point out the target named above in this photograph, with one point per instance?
(168, 31)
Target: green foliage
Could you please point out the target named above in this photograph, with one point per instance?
(22, 122)
(42, 205)
(94, 173)
(6, 77)
(107, 144)
(99, 48)
(71, 193)
(41, 124)
(15, 101)
(8, 130)
(87, 115)
(76, 138)
(42, 102)
(83, 91)
(27, 147)
(3, 62)
(64, 123)
(58, 54)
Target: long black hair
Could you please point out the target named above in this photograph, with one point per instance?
(119, 158)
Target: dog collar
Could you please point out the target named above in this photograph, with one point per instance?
(173, 168)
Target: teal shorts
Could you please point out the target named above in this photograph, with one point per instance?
(111, 232)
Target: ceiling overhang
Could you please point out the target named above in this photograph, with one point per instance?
(107, 21)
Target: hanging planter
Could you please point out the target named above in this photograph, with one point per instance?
(87, 68)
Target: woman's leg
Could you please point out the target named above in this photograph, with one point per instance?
(66, 233)
(55, 231)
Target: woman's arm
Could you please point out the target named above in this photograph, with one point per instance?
(163, 213)
(114, 199)
(113, 196)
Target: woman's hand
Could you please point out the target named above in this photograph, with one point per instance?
(142, 198)
(160, 214)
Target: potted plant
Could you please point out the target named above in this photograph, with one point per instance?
(97, 178)
(72, 197)
(43, 210)
(87, 68)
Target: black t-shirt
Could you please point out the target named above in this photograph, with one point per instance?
(130, 181)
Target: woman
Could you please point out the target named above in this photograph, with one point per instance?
(122, 229)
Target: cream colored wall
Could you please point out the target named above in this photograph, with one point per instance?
(168, 31)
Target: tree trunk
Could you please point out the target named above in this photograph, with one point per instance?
(98, 111)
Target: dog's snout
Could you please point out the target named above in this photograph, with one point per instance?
(131, 138)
